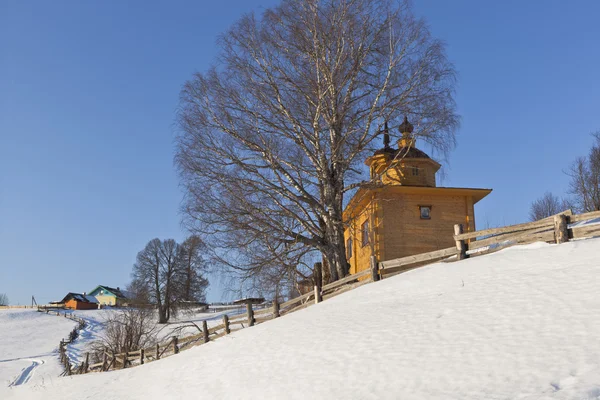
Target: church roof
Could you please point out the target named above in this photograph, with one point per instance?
(403, 152)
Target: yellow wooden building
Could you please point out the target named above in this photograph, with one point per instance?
(405, 213)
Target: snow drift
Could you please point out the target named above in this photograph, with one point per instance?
(518, 324)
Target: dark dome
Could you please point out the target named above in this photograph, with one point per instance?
(404, 152)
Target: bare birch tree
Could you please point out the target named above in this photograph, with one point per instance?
(585, 179)
(3, 299)
(274, 135)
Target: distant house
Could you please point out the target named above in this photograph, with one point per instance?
(108, 296)
(80, 301)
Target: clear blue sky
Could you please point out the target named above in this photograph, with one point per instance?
(88, 92)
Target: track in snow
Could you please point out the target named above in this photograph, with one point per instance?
(27, 372)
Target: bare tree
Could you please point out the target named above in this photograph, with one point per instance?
(274, 136)
(129, 329)
(585, 179)
(190, 282)
(3, 299)
(138, 293)
(156, 270)
(546, 206)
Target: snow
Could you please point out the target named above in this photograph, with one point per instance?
(29, 346)
(521, 323)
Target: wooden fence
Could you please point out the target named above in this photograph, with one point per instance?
(558, 228)
(62, 346)
(554, 229)
(229, 324)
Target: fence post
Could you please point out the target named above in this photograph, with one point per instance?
(561, 232)
(104, 361)
(250, 312)
(374, 269)
(318, 298)
(157, 351)
(226, 323)
(205, 331)
(275, 308)
(113, 362)
(125, 357)
(175, 348)
(142, 357)
(87, 363)
(461, 245)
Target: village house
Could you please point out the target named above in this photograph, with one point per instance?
(405, 213)
(80, 301)
(108, 296)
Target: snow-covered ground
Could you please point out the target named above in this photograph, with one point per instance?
(29, 346)
(522, 323)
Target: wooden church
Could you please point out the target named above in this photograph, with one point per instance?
(406, 213)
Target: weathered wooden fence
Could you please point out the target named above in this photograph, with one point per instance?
(62, 346)
(554, 229)
(558, 228)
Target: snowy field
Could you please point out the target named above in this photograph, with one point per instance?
(29, 340)
(522, 323)
(29, 346)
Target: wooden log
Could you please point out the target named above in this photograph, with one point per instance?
(431, 256)
(461, 245)
(561, 233)
(275, 308)
(226, 323)
(250, 314)
(300, 298)
(142, 357)
(345, 289)
(507, 237)
(347, 279)
(317, 295)
(125, 360)
(175, 348)
(205, 331)
(584, 217)
(507, 229)
(585, 231)
(374, 269)
(263, 311)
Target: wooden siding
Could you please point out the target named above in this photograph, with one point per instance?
(359, 261)
(79, 305)
(405, 233)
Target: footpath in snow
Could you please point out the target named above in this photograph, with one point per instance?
(518, 324)
(28, 346)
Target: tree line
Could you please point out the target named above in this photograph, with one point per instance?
(169, 275)
(583, 194)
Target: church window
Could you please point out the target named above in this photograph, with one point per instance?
(415, 171)
(365, 233)
(425, 212)
(349, 248)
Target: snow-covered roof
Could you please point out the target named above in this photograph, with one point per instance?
(84, 298)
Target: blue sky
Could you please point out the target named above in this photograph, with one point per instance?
(88, 93)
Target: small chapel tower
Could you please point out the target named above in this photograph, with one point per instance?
(405, 212)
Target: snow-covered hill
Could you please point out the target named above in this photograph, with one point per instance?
(523, 323)
(28, 346)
